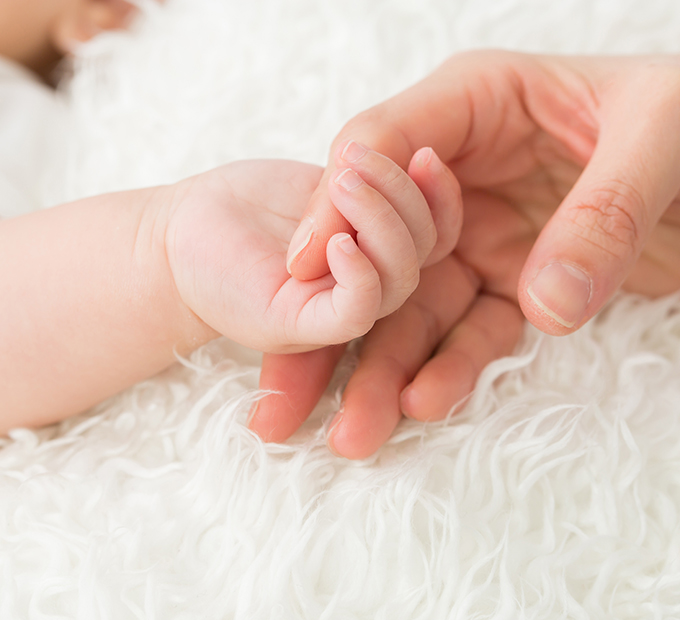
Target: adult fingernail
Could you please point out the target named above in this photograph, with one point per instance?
(300, 240)
(348, 179)
(353, 151)
(562, 292)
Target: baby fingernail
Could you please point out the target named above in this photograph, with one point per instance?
(348, 179)
(353, 151)
(562, 292)
(300, 240)
(424, 157)
(346, 244)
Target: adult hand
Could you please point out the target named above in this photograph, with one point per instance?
(570, 174)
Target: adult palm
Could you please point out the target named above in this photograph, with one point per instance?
(570, 169)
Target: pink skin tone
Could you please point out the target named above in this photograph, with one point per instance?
(569, 186)
(103, 291)
(570, 181)
(112, 287)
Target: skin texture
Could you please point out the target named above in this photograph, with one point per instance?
(103, 292)
(561, 161)
(144, 275)
(228, 234)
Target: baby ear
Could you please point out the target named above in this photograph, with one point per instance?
(88, 18)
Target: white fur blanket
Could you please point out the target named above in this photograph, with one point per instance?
(554, 494)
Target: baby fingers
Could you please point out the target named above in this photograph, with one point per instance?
(394, 226)
(356, 296)
(441, 190)
(398, 190)
(348, 309)
(396, 219)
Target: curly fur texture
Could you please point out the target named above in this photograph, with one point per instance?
(554, 493)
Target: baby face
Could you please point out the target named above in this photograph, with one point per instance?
(26, 29)
(38, 33)
(20, 19)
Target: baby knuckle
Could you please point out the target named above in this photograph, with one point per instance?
(368, 284)
(408, 283)
(396, 179)
(383, 220)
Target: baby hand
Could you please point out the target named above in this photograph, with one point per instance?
(110, 288)
(228, 232)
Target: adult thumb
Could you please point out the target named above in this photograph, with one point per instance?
(591, 243)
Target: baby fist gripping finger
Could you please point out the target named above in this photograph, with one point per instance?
(435, 112)
(356, 296)
(381, 235)
(306, 258)
(429, 174)
(396, 228)
(427, 183)
(396, 187)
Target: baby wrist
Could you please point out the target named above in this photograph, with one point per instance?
(185, 330)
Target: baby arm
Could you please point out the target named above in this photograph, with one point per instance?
(88, 305)
(100, 293)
